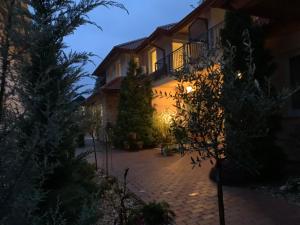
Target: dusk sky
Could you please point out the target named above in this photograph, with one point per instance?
(119, 27)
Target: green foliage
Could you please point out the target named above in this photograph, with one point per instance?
(199, 120)
(135, 110)
(250, 113)
(254, 94)
(128, 210)
(162, 128)
(100, 81)
(43, 181)
(206, 113)
(73, 184)
(92, 123)
(236, 23)
(157, 214)
(80, 140)
(153, 213)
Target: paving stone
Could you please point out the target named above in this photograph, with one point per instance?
(172, 179)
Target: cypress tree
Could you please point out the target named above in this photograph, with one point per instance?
(135, 110)
(45, 183)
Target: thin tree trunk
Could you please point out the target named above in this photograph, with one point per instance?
(95, 153)
(220, 192)
(4, 55)
(106, 154)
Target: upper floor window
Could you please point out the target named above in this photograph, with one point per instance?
(118, 69)
(153, 60)
(178, 55)
(295, 80)
(136, 61)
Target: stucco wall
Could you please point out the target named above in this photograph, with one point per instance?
(215, 16)
(110, 106)
(123, 59)
(162, 103)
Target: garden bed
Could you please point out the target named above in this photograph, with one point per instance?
(290, 191)
(119, 206)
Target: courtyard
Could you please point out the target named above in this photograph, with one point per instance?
(190, 192)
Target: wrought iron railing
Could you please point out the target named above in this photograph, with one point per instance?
(178, 59)
(188, 53)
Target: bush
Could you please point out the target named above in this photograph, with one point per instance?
(267, 163)
(162, 128)
(269, 157)
(80, 140)
(153, 214)
(252, 106)
(232, 174)
(73, 185)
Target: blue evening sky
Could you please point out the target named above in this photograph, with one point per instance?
(119, 27)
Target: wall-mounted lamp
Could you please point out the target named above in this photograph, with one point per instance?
(239, 75)
(189, 89)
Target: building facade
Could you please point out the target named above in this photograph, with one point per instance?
(172, 47)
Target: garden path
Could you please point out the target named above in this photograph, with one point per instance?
(192, 195)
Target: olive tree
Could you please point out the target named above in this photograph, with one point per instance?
(92, 125)
(201, 108)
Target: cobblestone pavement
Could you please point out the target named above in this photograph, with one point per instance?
(192, 195)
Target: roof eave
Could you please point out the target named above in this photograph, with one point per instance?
(100, 70)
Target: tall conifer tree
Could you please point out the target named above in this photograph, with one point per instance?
(135, 111)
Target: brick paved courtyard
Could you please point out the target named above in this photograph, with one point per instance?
(192, 195)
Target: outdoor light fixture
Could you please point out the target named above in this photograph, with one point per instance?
(189, 89)
(167, 117)
(239, 75)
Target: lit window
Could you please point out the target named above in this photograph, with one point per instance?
(118, 69)
(136, 61)
(177, 56)
(153, 60)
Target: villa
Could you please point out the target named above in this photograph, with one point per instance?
(171, 47)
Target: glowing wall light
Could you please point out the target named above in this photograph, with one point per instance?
(189, 89)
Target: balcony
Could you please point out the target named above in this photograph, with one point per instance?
(188, 54)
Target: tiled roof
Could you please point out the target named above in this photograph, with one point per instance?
(131, 45)
(167, 26)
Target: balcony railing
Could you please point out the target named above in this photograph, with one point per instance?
(188, 53)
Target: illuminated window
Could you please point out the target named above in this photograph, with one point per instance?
(118, 69)
(177, 56)
(153, 60)
(137, 61)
